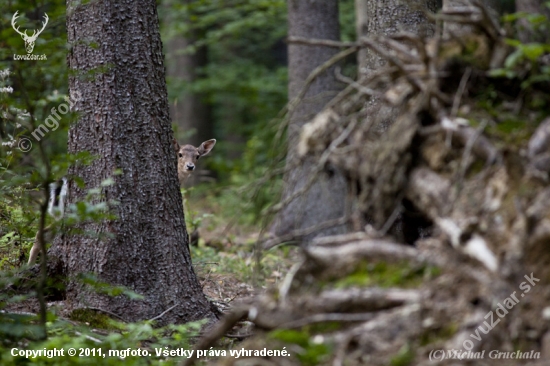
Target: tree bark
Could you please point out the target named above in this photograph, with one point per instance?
(325, 199)
(383, 18)
(117, 70)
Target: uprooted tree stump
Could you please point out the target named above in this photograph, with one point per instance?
(468, 157)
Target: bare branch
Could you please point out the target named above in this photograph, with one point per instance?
(320, 42)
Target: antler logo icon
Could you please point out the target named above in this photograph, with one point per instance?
(29, 40)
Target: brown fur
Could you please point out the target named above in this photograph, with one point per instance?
(188, 156)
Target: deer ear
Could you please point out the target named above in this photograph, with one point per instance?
(176, 145)
(206, 147)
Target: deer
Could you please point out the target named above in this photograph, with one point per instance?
(29, 40)
(187, 156)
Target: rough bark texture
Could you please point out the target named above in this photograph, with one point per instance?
(384, 18)
(325, 199)
(118, 74)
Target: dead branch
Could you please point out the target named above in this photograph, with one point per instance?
(429, 192)
(217, 331)
(346, 255)
(355, 299)
(164, 312)
(327, 317)
(320, 42)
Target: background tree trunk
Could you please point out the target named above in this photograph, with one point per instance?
(190, 110)
(124, 121)
(382, 17)
(325, 200)
(376, 18)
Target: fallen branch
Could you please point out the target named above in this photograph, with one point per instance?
(320, 42)
(348, 254)
(217, 331)
(366, 299)
(323, 318)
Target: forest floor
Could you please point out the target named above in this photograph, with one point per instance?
(225, 257)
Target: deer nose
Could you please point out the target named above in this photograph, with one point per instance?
(190, 166)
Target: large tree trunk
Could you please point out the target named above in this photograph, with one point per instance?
(325, 200)
(118, 74)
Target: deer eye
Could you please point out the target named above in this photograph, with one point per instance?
(198, 156)
(181, 155)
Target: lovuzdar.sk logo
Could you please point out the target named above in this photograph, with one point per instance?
(29, 40)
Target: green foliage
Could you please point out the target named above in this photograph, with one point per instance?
(312, 350)
(436, 335)
(347, 21)
(94, 319)
(387, 275)
(244, 81)
(212, 261)
(404, 357)
(523, 62)
(193, 218)
(14, 327)
(28, 92)
(93, 348)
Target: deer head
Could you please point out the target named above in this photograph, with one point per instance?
(188, 156)
(29, 40)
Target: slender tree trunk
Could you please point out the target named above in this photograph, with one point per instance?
(189, 110)
(325, 200)
(118, 73)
